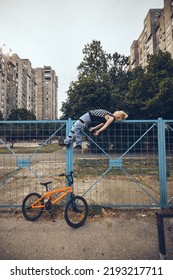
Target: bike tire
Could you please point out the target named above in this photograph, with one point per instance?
(31, 214)
(76, 211)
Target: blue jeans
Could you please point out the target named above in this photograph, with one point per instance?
(77, 130)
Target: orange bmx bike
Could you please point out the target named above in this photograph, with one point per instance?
(76, 208)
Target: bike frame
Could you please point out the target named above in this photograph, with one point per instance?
(48, 195)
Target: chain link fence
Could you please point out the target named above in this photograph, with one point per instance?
(128, 165)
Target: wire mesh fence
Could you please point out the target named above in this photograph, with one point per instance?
(30, 152)
(121, 166)
(168, 125)
(124, 166)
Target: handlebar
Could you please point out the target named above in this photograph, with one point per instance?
(69, 177)
(62, 174)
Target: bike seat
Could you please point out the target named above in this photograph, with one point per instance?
(46, 183)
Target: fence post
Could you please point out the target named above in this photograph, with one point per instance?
(162, 163)
(69, 150)
(161, 233)
(161, 236)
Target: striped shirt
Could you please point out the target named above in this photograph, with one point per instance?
(99, 115)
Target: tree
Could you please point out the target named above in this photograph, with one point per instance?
(98, 73)
(1, 116)
(160, 97)
(150, 92)
(135, 96)
(21, 114)
(85, 94)
(160, 105)
(95, 60)
(160, 64)
(104, 82)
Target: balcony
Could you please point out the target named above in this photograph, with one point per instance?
(47, 76)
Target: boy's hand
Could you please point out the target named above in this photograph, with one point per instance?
(91, 128)
(96, 133)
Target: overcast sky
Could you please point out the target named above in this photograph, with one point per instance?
(54, 32)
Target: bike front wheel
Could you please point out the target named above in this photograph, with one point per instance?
(32, 214)
(76, 211)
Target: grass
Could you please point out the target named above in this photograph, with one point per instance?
(135, 166)
(49, 148)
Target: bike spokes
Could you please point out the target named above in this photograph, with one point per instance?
(76, 211)
(32, 207)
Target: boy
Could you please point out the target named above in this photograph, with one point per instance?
(103, 117)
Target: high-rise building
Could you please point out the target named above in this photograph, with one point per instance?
(31, 87)
(3, 85)
(47, 84)
(156, 35)
(21, 86)
(21, 75)
(146, 43)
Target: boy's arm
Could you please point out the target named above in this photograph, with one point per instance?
(109, 121)
(96, 127)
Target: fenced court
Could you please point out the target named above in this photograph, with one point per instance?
(129, 165)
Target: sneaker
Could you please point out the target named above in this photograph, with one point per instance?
(78, 147)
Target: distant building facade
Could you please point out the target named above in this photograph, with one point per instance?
(22, 86)
(47, 84)
(156, 35)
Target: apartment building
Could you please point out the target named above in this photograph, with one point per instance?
(146, 43)
(18, 90)
(31, 87)
(156, 35)
(22, 86)
(47, 84)
(3, 85)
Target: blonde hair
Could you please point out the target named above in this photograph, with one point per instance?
(123, 115)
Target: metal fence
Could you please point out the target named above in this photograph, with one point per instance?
(129, 165)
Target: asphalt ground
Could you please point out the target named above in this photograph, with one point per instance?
(106, 235)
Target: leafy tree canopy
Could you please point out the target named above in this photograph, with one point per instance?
(150, 93)
(21, 114)
(1, 116)
(104, 82)
(98, 72)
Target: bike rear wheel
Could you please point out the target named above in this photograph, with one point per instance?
(32, 214)
(76, 211)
